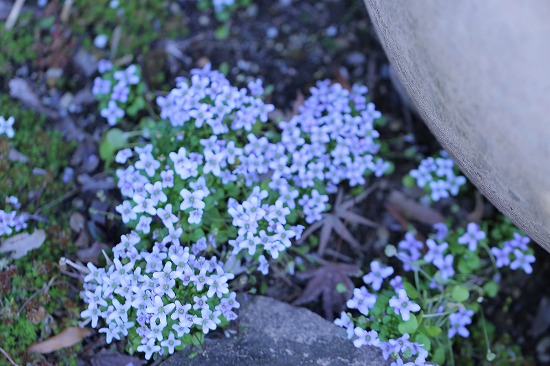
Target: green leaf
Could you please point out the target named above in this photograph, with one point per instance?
(196, 235)
(423, 339)
(463, 267)
(113, 140)
(473, 262)
(222, 32)
(460, 293)
(411, 290)
(341, 288)
(408, 181)
(408, 327)
(491, 288)
(116, 137)
(439, 356)
(137, 105)
(224, 68)
(431, 330)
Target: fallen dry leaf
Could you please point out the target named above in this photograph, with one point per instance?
(322, 284)
(21, 244)
(22, 90)
(83, 240)
(411, 209)
(332, 222)
(77, 222)
(67, 338)
(91, 254)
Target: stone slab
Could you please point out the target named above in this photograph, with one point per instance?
(278, 334)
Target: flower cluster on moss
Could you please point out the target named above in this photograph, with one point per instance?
(11, 221)
(119, 92)
(158, 299)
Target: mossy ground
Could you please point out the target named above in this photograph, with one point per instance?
(37, 301)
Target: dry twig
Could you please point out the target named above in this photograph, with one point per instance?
(66, 11)
(14, 14)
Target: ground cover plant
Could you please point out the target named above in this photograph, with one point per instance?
(190, 181)
(228, 187)
(426, 307)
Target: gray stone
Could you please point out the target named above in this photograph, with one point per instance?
(274, 333)
(477, 72)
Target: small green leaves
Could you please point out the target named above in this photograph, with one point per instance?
(439, 356)
(222, 32)
(408, 327)
(424, 340)
(411, 291)
(460, 293)
(341, 288)
(138, 104)
(431, 330)
(113, 140)
(408, 181)
(491, 288)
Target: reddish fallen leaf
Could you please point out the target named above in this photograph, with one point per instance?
(322, 284)
(67, 338)
(332, 222)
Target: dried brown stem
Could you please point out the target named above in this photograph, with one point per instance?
(8, 357)
(14, 14)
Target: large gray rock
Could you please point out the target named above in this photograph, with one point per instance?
(478, 72)
(278, 334)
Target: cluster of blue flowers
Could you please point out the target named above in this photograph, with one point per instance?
(333, 138)
(11, 221)
(364, 301)
(114, 88)
(157, 296)
(446, 262)
(438, 177)
(214, 174)
(6, 126)
(514, 254)
(261, 227)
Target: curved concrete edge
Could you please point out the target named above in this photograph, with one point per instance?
(517, 182)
